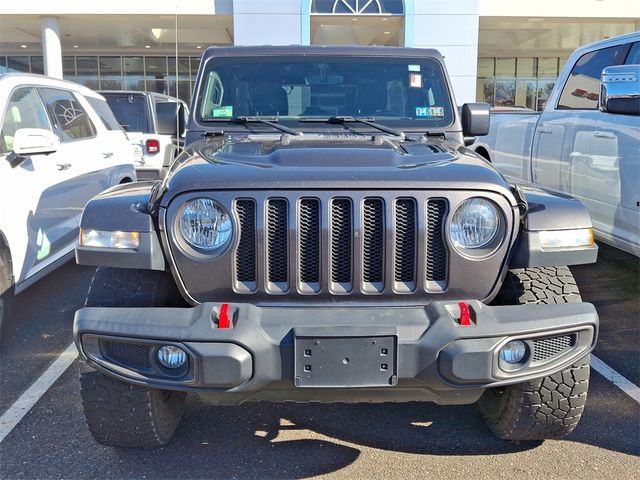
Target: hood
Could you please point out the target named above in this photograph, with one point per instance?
(332, 162)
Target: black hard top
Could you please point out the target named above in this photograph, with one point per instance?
(332, 50)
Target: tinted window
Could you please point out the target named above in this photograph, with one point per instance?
(131, 112)
(633, 58)
(399, 91)
(583, 85)
(104, 112)
(24, 110)
(69, 118)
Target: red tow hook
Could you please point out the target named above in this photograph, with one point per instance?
(465, 315)
(223, 317)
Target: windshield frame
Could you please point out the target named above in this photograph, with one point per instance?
(393, 54)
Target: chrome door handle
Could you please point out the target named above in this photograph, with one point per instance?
(63, 166)
(545, 130)
(107, 155)
(600, 134)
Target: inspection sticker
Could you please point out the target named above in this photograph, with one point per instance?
(415, 80)
(226, 111)
(429, 112)
(414, 68)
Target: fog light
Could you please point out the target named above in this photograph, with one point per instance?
(171, 357)
(513, 352)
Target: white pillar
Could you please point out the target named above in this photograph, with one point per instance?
(51, 47)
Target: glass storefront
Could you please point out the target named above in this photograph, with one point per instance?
(517, 82)
(148, 73)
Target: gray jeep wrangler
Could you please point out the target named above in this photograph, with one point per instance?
(327, 237)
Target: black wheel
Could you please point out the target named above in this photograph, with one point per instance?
(548, 407)
(117, 413)
(6, 291)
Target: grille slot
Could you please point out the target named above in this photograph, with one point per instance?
(405, 243)
(277, 244)
(341, 248)
(131, 355)
(309, 242)
(436, 268)
(545, 348)
(245, 260)
(373, 242)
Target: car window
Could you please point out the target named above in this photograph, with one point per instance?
(104, 112)
(70, 119)
(24, 110)
(131, 112)
(633, 58)
(581, 91)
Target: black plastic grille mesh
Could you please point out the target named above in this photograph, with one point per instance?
(436, 252)
(373, 240)
(405, 246)
(133, 355)
(341, 227)
(277, 245)
(246, 252)
(309, 248)
(544, 348)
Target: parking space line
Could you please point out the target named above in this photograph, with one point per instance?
(30, 397)
(614, 377)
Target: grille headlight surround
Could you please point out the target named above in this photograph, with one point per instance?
(205, 224)
(474, 224)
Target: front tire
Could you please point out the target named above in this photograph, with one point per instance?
(547, 407)
(120, 414)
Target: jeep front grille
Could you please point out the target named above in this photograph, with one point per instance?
(340, 244)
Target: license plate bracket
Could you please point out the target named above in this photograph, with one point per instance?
(345, 362)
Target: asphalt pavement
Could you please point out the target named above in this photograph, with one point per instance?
(414, 440)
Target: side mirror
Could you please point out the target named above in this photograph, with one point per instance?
(475, 119)
(34, 141)
(620, 90)
(170, 118)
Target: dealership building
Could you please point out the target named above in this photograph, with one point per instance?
(505, 52)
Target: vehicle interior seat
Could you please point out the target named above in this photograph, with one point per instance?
(269, 99)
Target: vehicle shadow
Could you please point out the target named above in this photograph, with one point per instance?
(300, 440)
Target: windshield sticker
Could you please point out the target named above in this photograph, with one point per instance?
(414, 68)
(226, 111)
(429, 111)
(415, 80)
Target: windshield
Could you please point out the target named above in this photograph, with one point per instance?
(400, 92)
(131, 111)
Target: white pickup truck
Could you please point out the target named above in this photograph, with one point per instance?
(587, 140)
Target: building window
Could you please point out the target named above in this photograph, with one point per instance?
(516, 82)
(140, 73)
(357, 7)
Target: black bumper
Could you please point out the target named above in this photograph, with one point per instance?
(335, 354)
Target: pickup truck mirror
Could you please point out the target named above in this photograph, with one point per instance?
(620, 90)
(475, 119)
(170, 118)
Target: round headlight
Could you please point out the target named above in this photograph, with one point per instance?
(205, 225)
(474, 223)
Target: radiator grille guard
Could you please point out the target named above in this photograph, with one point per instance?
(321, 247)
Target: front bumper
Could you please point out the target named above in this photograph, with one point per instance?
(430, 356)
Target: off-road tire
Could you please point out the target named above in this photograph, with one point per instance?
(124, 287)
(547, 407)
(124, 415)
(120, 414)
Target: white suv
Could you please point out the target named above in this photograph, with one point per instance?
(60, 145)
(154, 124)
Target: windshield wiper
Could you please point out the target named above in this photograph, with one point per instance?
(272, 122)
(370, 121)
